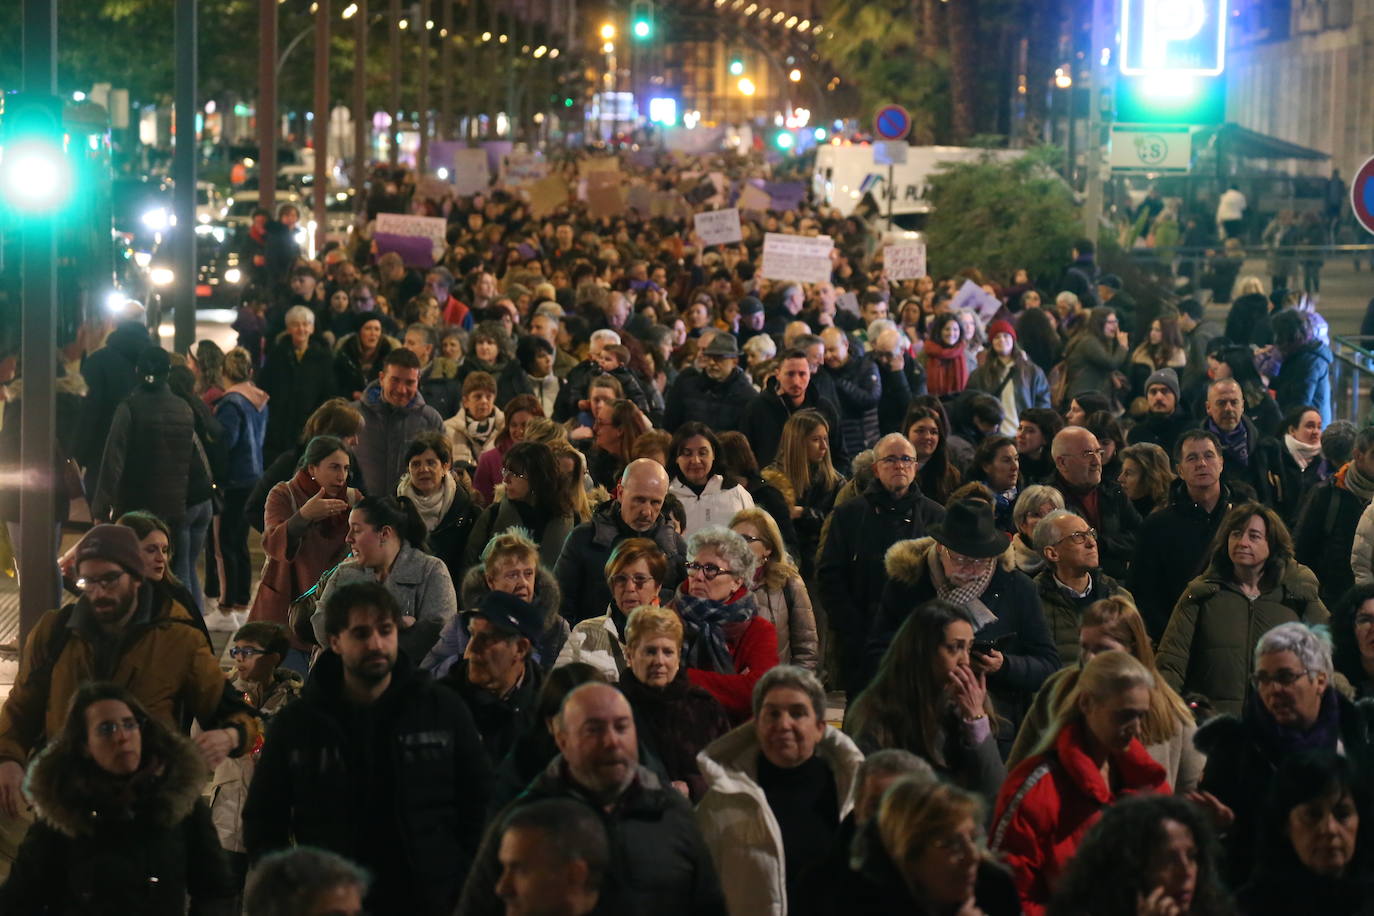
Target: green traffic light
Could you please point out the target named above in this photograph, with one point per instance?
(567, 103)
(736, 67)
(642, 29)
(35, 176)
(784, 141)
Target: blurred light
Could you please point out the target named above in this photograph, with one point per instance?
(642, 29)
(779, 16)
(539, 117)
(233, 275)
(792, 22)
(350, 11)
(341, 196)
(607, 31)
(210, 107)
(795, 76)
(784, 141)
(819, 134)
(314, 8)
(553, 54)
(143, 258)
(36, 175)
(249, 162)
(161, 276)
(155, 219)
(1062, 78)
(663, 111)
(1165, 84)
(608, 48)
(115, 300)
(403, 24)
(751, 9)
(429, 25)
(804, 25)
(746, 86)
(541, 51)
(78, 96)
(203, 217)
(442, 174)
(486, 36)
(736, 67)
(503, 39)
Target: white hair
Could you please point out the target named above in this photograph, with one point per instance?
(300, 313)
(880, 325)
(760, 347)
(1312, 647)
(1047, 529)
(1066, 298)
(605, 336)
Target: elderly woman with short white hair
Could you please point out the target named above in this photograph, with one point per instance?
(729, 645)
(298, 377)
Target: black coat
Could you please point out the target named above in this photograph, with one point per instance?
(449, 539)
(1290, 888)
(1116, 524)
(581, 567)
(1324, 535)
(697, 396)
(1171, 549)
(148, 458)
(1247, 322)
(350, 379)
(1262, 472)
(398, 787)
(296, 387)
(859, 388)
(1162, 431)
(501, 721)
(659, 863)
(110, 377)
(676, 722)
(899, 387)
(574, 389)
(767, 413)
(850, 570)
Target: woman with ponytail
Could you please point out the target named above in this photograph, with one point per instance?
(388, 539)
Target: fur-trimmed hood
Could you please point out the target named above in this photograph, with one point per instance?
(906, 560)
(71, 794)
(548, 596)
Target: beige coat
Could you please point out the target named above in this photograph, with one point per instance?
(229, 786)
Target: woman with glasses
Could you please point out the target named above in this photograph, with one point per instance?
(1034, 503)
(729, 645)
(536, 498)
(634, 572)
(1352, 633)
(1293, 706)
(1113, 624)
(697, 475)
(778, 589)
(1251, 585)
(121, 826)
(1091, 757)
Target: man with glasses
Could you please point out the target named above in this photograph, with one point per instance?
(715, 394)
(1072, 579)
(850, 567)
(636, 514)
(1103, 504)
(126, 630)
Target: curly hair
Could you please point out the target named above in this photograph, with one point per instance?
(1110, 870)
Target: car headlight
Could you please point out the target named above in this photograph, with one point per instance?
(115, 301)
(232, 275)
(203, 217)
(162, 276)
(156, 219)
(143, 258)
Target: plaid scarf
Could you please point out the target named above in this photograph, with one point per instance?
(704, 621)
(968, 595)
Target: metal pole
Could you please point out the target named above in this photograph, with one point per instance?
(38, 425)
(184, 176)
(1102, 30)
(446, 71)
(422, 154)
(321, 119)
(362, 124)
(393, 147)
(267, 105)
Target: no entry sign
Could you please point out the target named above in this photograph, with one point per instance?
(1362, 194)
(892, 122)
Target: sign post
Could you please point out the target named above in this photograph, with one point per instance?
(892, 123)
(1362, 194)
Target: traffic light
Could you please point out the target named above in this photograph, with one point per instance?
(35, 171)
(642, 20)
(736, 65)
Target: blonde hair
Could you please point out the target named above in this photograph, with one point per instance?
(238, 365)
(649, 621)
(778, 568)
(1106, 675)
(914, 811)
(791, 459)
(1120, 620)
(1249, 284)
(577, 493)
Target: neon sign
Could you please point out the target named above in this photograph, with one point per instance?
(1179, 37)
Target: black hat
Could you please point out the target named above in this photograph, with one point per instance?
(750, 305)
(511, 614)
(1111, 281)
(722, 344)
(969, 529)
(153, 365)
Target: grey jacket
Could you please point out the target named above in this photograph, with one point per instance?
(1027, 381)
(421, 586)
(789, 610)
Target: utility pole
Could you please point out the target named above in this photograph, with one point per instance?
(1103, 28)
(38, 425)
(267, 105)
(362, 126)
(184, 176)
(446, 71)
(321, 143)
(422, 27)
(394, 31)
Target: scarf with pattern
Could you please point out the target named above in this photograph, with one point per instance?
(704, 621)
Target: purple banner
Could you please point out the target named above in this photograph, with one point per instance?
(786, 195)
(414, 252)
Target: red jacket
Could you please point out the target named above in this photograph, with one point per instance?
(753, 645)
(1041, 832)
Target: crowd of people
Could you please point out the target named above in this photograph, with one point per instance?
(602, 574)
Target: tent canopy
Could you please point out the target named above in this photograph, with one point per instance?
(1234, 140)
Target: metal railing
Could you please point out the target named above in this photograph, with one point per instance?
(1352, 371)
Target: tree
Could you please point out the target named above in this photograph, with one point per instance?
(1001, 215)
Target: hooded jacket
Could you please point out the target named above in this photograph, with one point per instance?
(90, 855)
(740, 827)
(716, 504)
(148, 457)
(398, 786)
(1211, 638)
(859, 388)
(581, 566)
(1305, 379)
(242, 412)
(387, 431)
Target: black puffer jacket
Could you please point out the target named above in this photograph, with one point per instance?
(581, 567)
(859, 388)
(412, 767)
(697, 396)
(148, 457)
(296, 387)
(1325, 533)
(767, 413)
(501, 721)
(110, 376)
(90, 855)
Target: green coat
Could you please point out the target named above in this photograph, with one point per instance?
(1063, 618)
(1211, 638)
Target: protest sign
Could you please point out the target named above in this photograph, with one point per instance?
(470, 174)
(719, 227)
(603, 194)
(496, 151)
(905, 260)
(753, 198)
(798, 258)
(641, 198)
(598, 164)
(973, 296)
(547, 195)
(785, 195)
(414, 252)
(524, 168)
(848, 302)
(415, 227)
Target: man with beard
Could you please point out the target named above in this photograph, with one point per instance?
(659, 862)
(375, 762)
(715, 394)
(129, 631)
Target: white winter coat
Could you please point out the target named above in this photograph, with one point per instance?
(1362, 549)
(740, 830)
(715, 505)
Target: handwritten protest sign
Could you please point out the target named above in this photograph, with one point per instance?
(753, 198)
(470, 174)
(719, 227)
(417, 227)
(641, 198)
(905, 260)
(799, 258)
(524, 168)
(973, 296)
(603, 194)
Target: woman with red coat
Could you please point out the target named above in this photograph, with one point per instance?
(729, 646)
(946, 365)
(1091, 758)
(305, 524)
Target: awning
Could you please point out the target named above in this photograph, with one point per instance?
(1234, 140)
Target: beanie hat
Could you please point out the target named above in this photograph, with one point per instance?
(114, 544)
(1166, 377)
(1001, 326)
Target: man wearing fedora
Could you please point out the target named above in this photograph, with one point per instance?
(715, 394)
(963, 562)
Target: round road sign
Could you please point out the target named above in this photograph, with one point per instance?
(892, 122)
(1362, 194)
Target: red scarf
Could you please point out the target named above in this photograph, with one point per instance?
(946, 368)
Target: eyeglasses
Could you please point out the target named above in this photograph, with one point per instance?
(1079, 538)
(507, 474)
(99, 583)
(956, 844)
(1089, 453)
(623, 580)
(1283, 678)
(108, 730)
(246, 652)
(898, 460)
(516, 576)
(750, 538)
(708, 570)
(958, 559)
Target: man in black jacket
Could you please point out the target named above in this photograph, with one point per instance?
(110, 376)
(858, 387)
(1078, 477)
(375, 762)
(1247, 457)
(581, 567)
(767, 412)
(659, 862)
(715, 395)
(1166, 417)
(850, 570)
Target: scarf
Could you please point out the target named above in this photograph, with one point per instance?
(481, 432)
(946, 368)
(435, 506)
(1282, 740)
(1351, 478)
(545, 391)
(704, 621)
(332, 527)
(1302, 453)
(1236, 442)
(969, 595)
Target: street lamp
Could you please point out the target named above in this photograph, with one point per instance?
(607, 31)
(746, 86)
(350, 11)
(794, 76)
